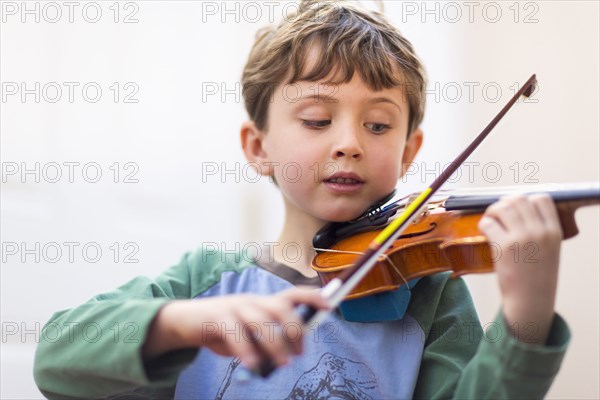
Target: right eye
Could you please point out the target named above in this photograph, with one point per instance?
(316, 124)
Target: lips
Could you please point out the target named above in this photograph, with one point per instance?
(344, 182)
(345, 178)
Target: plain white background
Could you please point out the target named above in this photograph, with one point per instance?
(177, 131)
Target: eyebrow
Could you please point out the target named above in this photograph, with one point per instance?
(384, 100)
(331, 99)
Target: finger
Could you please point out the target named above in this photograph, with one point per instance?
(243, 349)
(548, 212)
(491, 227)
(532, 219)
(306, 296)
(494, 232)
(505, 212)
(258, 330)
(289, 322)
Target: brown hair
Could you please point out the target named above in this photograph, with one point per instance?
(347, 37)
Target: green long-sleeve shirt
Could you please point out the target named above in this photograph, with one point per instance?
(437, 351)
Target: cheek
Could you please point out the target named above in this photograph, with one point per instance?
(388, 166)
(293, 168)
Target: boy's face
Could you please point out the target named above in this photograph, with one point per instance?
(316, 131)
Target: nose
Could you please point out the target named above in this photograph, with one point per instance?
(348, 144)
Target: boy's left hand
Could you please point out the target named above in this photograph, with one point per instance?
(527, 235)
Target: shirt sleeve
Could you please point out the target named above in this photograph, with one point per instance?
(461, 361)
(94, 350)
(506, 368)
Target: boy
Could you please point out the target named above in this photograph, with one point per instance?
(338, 92)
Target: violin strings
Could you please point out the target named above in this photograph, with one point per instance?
(397, 271)
(383, 256)
(340, 251)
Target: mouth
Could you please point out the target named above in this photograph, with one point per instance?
(347, 181)
(344, 183)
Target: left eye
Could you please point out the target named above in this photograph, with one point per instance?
(316, 124)
(377, 128)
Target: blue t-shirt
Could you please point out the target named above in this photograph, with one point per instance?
(341, 359)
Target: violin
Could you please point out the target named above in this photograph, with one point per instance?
(444, 237)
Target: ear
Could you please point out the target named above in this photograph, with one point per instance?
(252, 140)
(411, 148)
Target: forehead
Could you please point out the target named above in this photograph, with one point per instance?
(356, 92)
(336, 83)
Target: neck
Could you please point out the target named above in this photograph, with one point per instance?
(294, 246)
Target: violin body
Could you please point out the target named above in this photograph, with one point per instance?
(444, 237)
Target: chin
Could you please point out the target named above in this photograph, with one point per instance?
(342, 215)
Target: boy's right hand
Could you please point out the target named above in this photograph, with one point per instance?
(229, 325)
